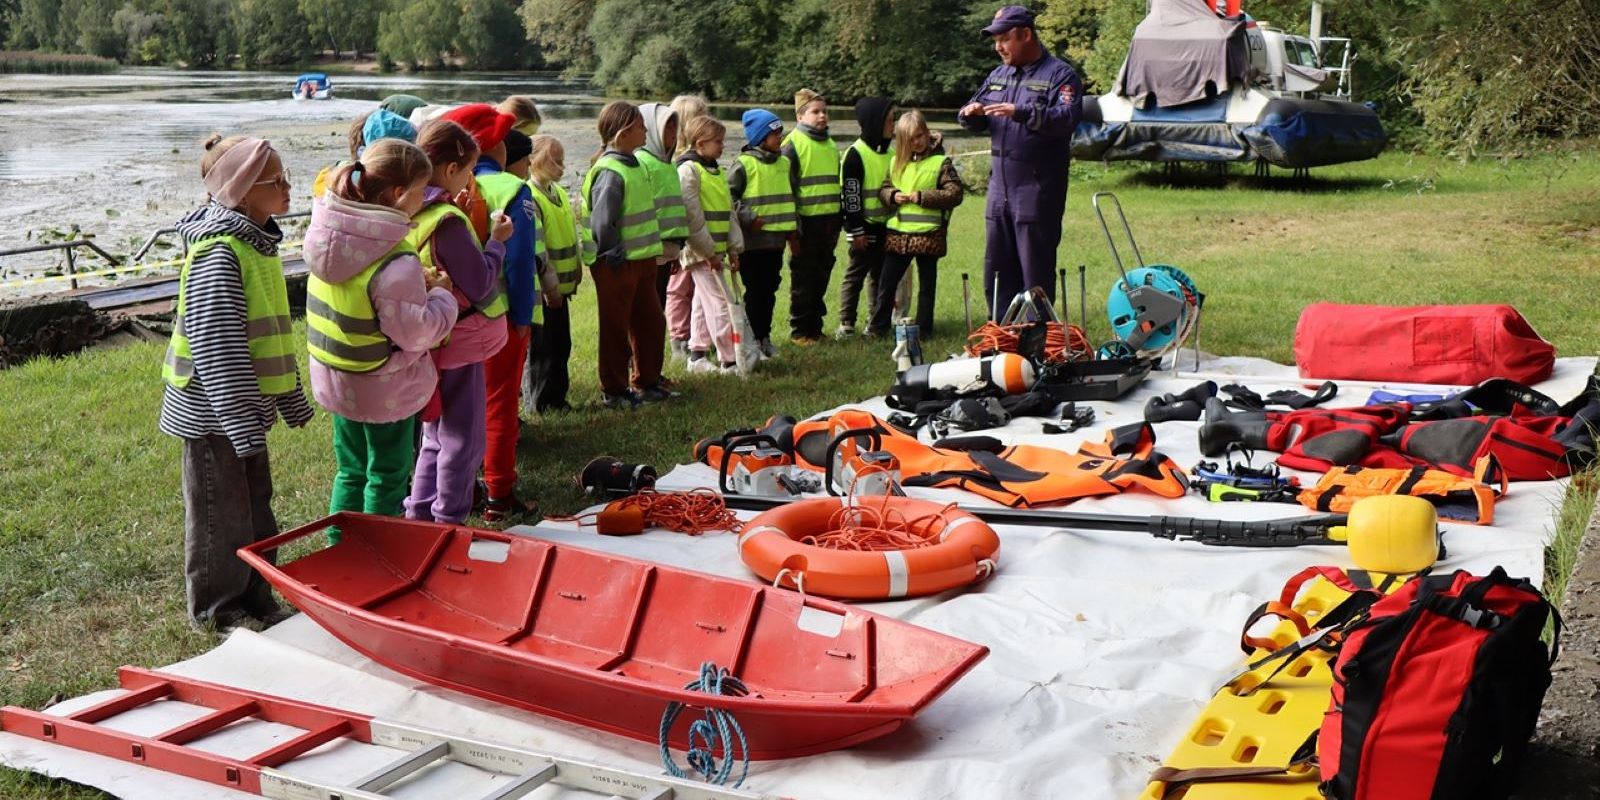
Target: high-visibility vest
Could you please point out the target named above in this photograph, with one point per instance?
(560, 243)
(818, 191)
(768, 193)
(342, 325)
(421, 239)
(717, 203)
(267, 324)
(670, 213)
(918, 176)
(640, 229)
(874, 170)
(499, 189)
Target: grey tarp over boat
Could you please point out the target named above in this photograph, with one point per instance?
(1178, 49)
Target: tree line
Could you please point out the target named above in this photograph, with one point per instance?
(411, 34)
(1465, 75)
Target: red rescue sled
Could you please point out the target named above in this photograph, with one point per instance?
(607, 641)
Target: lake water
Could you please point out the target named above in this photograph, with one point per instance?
(118, 155)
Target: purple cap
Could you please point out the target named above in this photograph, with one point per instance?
(1009, 17)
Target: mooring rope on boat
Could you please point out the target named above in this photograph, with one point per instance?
(710, 733)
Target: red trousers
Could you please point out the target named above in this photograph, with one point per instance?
(502, 380)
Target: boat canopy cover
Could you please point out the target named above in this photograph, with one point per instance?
(319, 77)
(1179, 48)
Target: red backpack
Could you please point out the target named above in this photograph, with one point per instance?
(1437, 690)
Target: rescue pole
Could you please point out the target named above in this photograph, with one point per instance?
(1392, 533)
(966, 301)
(1287, 532)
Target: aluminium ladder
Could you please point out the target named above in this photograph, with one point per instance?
(260, 774)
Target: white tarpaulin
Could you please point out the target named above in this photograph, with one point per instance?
(1103, 645)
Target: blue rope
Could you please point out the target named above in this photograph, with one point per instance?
(710, 733)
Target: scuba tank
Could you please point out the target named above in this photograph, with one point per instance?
(1008, 372)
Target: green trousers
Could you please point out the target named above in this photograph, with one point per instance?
(375, 461)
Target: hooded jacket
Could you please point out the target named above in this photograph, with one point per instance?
(655, 122)
(344, 238)
(753, 239)
(700, 247)
(473, 271)
(870, 114)
(223, 398)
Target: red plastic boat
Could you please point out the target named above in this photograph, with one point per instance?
(607, 641)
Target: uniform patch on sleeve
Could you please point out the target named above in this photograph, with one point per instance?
(1067, 93)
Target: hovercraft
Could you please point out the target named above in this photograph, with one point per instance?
(313, 86)
(1204, 86)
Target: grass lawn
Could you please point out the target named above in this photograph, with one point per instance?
(90, 515)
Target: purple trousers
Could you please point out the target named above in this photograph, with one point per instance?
(1021, 253)
(452, 450)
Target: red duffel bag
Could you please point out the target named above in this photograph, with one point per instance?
(1458, 345)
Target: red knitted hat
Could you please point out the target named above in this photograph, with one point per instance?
(487, 126)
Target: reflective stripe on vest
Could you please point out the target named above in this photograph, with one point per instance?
(874, 171)
(639, 227)
(918, 176)
(421, 239)
(670, 212)
(768, 194)
(561, 243)
(818, 191)
(341, 324)
(267, 323)
(717, 203)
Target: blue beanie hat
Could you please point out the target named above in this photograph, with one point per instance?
(384, 124)
(758, 122)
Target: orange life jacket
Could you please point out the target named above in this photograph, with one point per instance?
(1020, 476)
(1457, 498)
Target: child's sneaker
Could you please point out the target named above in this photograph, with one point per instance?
(805, 339)
(845, 331)
(622, 400)
(729, 368)
(768, 349)
(499, 509)
(656, 394)
(680, 349)
(701, 366)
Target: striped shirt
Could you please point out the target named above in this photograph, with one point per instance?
(223, 397)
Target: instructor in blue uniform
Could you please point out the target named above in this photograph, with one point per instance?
(1029, 106)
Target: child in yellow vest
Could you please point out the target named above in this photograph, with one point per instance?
(453, 443)
(619, 198)
(921, 189)
(814, 167)
(763, 196)
(371, 320)
(714, 241)
(230, 373)
(547, 379)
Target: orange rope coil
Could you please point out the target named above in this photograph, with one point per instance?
(693, 512)
(861, 526)
(1062, 342)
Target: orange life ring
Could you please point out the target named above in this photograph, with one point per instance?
(965, 552)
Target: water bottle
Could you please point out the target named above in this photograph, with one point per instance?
(907, 345)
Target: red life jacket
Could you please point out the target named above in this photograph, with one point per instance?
(1318, 439)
